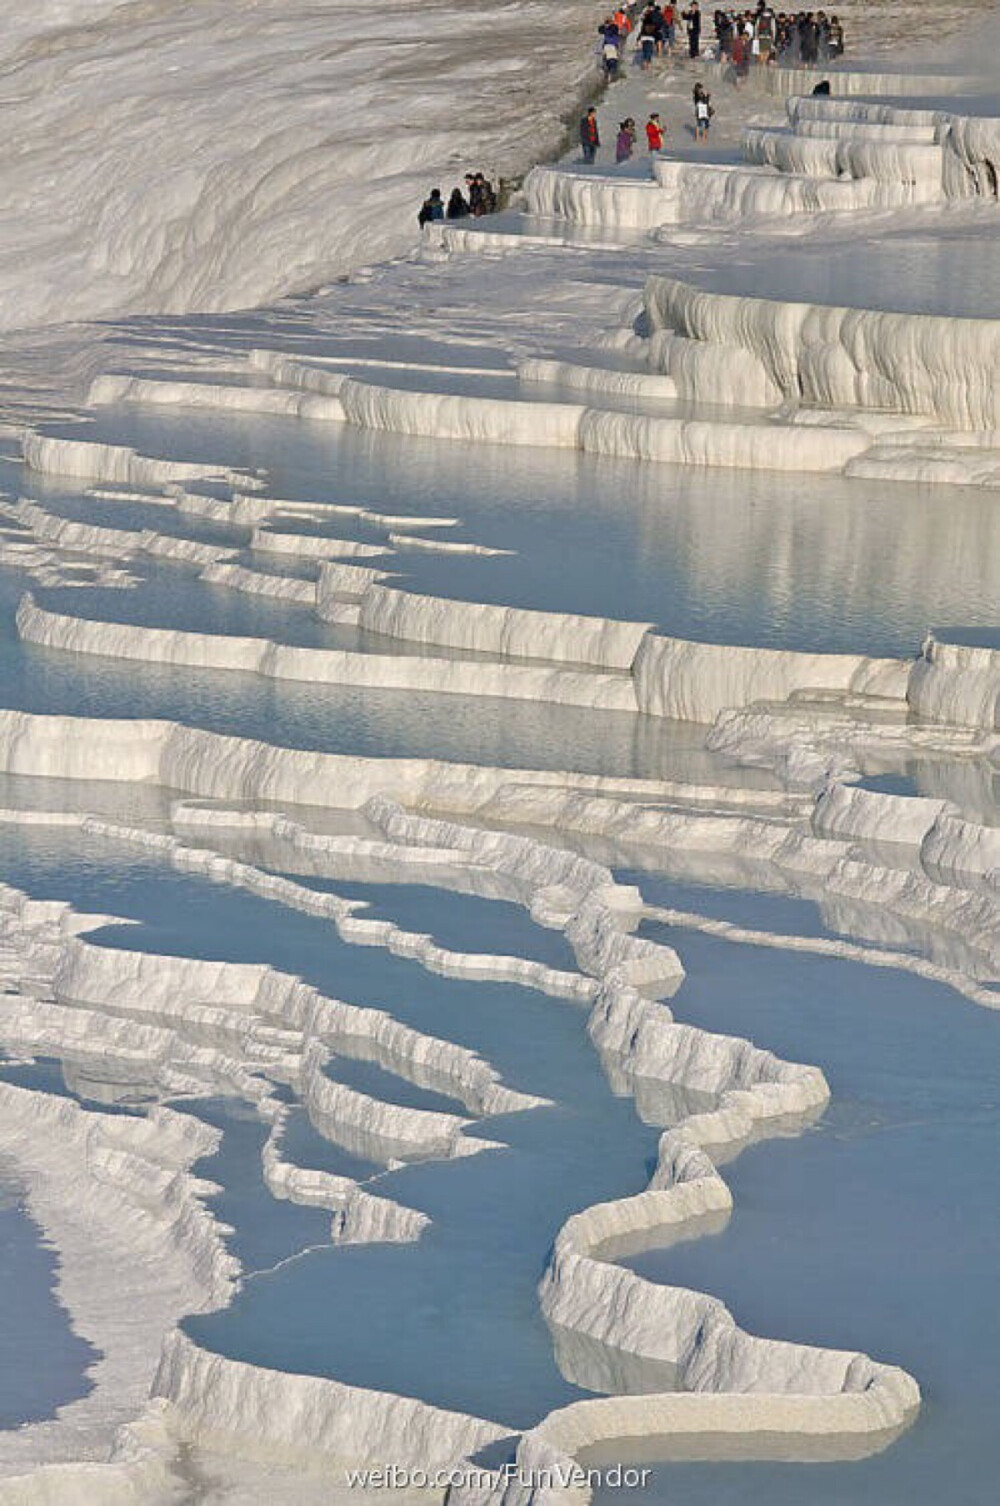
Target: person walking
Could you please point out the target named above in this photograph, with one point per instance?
(590, 138)
(611, 46)
(703, 112)
(654, 133)
(625, 140)
(740, 53)
(648, 32)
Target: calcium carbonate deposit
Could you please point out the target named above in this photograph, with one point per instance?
(499, 729)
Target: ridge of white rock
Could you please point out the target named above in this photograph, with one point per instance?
(956, 684)
(121, 388)
(586, 657)
(120, 544)
(698, 193)
(810, 744)
(266, 539)
(845, 82)
(844, 357)
(597, 379)
(850, 157)
(285, 661)
(352, 928)
(868, 956)
(94, 461)
(689, 681)
(829, 868)
(508, 632)
(213, 765)
(257, 583)
(774, 445)
(137, 1251)
(299, 1419)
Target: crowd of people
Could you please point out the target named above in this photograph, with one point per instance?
(742, 39)
(765, 36)
(478, 199)
(759, 35)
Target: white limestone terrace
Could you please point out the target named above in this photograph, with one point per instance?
(852, 1398)
(861, 1403)
(535, 655)
(787, 171)
(810, 389)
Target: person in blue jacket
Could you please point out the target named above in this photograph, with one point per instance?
(431, 209)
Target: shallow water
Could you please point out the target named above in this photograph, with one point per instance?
(731, 556)
(454, 1319)
(944, 272)
(43, 1363)
(896, 1238)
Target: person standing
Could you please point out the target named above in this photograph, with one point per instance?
(654, 133)
(625, 141)
(485, 195)
(765, 32)
(692, 20)
(590, 138)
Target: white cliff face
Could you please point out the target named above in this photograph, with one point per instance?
(687, 193)
(508, 632)
(162, 166)
(307, 1421)
(957, 685)
(839, 357)
(851, 157)
(696, 681)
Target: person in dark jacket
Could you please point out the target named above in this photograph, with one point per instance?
(458, 206)
(431, 209)
(692, 20)
(482, 199)
(611, 48)
(590, 138)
